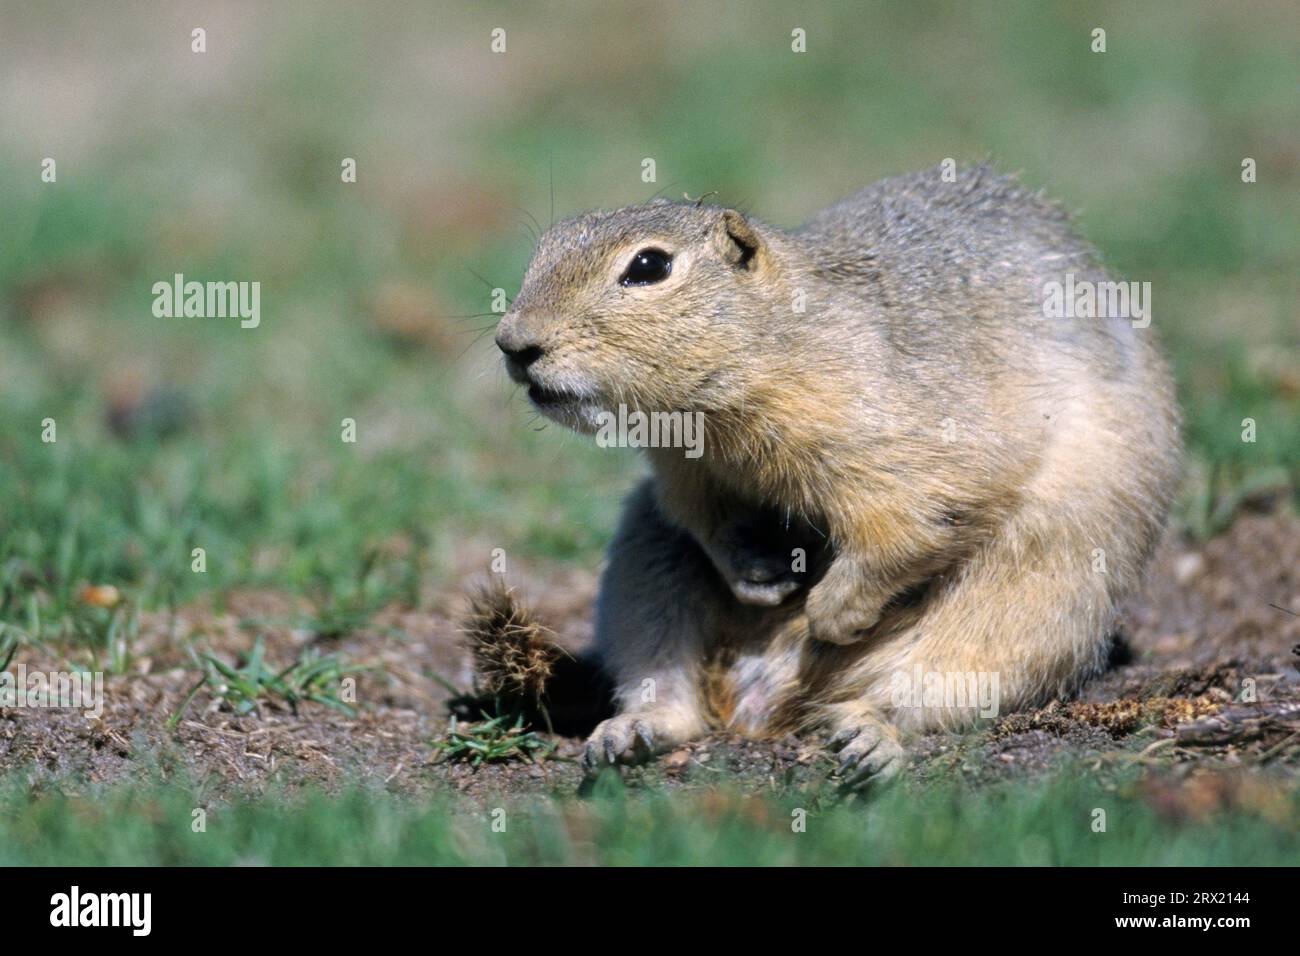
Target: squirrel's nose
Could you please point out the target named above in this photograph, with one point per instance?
(519, 345)
(522, 355)
(519, 351)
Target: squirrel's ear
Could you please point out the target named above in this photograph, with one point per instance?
(737, 240)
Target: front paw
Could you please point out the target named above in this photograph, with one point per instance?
(762, 579)
(868, 753)
(762, 593)
(625, 739)
(841, 615)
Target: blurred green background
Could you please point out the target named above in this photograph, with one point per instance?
(179, 433)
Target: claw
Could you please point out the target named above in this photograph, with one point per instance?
(843, 737)
(869, 771)
(625, 739)
(867, 753)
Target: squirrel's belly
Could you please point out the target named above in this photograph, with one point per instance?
(752, 694)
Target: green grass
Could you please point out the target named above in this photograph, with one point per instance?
(228, 168)
(491, 740)
(240, 450)
(246, 687)
(1050, 822)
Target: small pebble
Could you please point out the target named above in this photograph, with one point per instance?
(676, 761)
(1188, 566)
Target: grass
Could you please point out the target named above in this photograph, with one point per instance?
(175, 434)
(179, 434)
(492, 739)
(1051, 822)
(8, 646)
(246, 688)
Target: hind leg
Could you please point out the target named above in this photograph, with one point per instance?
(1025, 620)
(660, 606)
(1027, 617)
(867, 746)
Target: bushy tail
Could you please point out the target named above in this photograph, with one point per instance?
(519, 666)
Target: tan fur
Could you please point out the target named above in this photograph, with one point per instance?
(829, 430)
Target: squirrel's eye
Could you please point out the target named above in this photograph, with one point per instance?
(648, 267)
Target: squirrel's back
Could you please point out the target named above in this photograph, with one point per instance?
(962, 269)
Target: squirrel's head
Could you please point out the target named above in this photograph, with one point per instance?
(655, 306)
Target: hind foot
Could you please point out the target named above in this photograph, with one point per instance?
(869, 752)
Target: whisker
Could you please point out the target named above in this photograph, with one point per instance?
(474, 341)
(533, 218)
(466, 318)
(658, 192)
(491, 287)
(525, 225)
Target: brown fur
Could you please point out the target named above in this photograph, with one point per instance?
(951, 461)
(514, 654)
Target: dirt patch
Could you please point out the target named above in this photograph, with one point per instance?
(1119, 718)
(1205, 676)
(1206, 679)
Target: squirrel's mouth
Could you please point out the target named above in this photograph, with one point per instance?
(571, 408)
(545, 397)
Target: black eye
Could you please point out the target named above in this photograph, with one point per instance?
(648, 267)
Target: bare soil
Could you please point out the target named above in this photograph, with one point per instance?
(1215, 621)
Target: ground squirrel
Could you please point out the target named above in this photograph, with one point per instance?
(908, 468)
